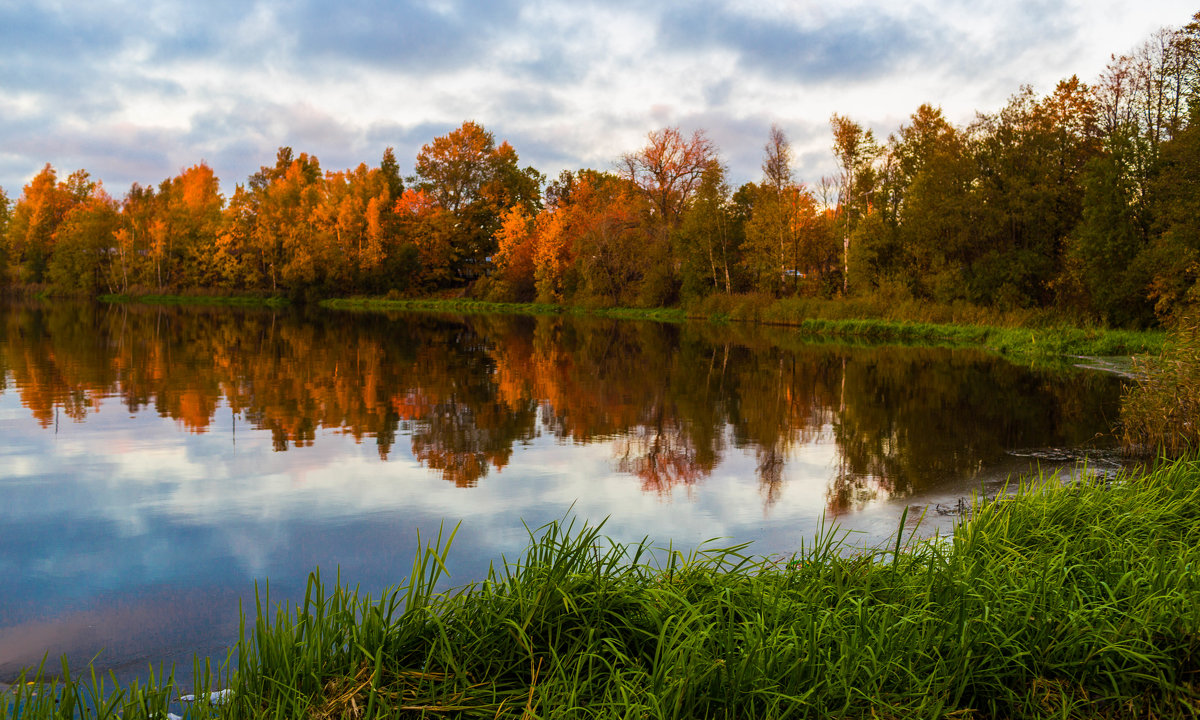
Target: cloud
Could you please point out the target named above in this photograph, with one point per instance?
(847, 47)
(410, 35)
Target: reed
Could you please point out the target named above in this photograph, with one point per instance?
(1066, 600)
(1161, 413)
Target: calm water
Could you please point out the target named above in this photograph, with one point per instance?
(155, 463)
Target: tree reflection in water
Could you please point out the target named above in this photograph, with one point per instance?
(466, 391)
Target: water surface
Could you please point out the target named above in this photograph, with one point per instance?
(156, 462)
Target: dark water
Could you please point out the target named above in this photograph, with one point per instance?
(155, 463)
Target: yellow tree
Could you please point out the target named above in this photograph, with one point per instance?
(348, 224)
(43, 204)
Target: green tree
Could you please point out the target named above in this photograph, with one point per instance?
(855, 151)
(934, 175)
(1174, 255)
(391, 174)
(1105, 252)
(1028, 193)
(706, 240)
(83, 244)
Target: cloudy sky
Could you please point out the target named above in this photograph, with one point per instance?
(135, 92)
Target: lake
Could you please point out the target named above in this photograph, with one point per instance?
(157, 462)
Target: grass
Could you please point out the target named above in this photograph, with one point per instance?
(1064, 601)
(1061, 340)
(1024, 341)
(1161, 413)
(271, 301)
(466, 307)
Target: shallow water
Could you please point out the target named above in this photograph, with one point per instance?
(156, 463)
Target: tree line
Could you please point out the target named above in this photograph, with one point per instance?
(1081, 201)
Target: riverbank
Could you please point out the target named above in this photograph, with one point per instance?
(270, 301)
(1063, 600)
(1020, 341)
(1040, 339)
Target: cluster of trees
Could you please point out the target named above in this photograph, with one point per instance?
(674, 403)
(290, 228)
(1083, 200)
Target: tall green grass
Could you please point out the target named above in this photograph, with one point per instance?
(1063, 600)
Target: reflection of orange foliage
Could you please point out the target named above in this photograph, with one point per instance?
(465, 391)
(195, 410)
(662, 458)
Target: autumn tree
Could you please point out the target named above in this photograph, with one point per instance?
(352, 223)
(237, 259)
(476, 181)
(283, 198)
(43, 204)
(428, 233)
(667, 171)
(4, 213)
(187, 219)
(589, 243)
(516, 245)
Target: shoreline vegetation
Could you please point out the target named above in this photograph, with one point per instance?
(1071, 599)
(806, 318)
(1027, 336)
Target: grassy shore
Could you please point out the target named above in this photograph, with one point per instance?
(1064, 601)
(1044, 340)
(1016, 334)
(466, 307)
(271, 301)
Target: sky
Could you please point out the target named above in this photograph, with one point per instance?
(137, 92)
